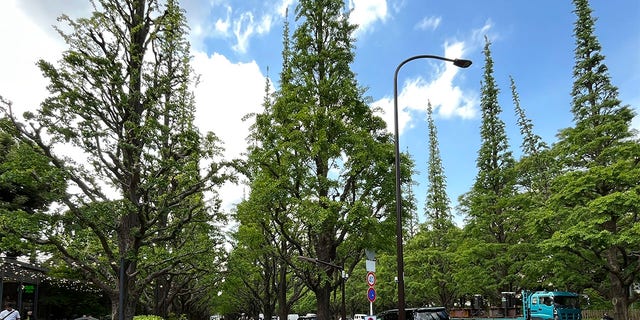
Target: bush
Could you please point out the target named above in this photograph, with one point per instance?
(144, 317)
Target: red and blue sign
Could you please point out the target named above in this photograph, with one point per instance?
(371, 294)
(371, 279)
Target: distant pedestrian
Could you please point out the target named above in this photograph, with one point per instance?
(9, 313)
(30, 315)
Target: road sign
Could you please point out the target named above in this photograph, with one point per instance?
(371, 279)
(371, 294)
(370, 265)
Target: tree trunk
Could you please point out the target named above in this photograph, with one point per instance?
(129, 307)
(619, 292)
(283, 306)
(323, 299)
(619, 297)
(114, 306)
(162, 297)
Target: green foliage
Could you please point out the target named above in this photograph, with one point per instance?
(431, 265)
(596, 301)
(147, 317)
(28, 184)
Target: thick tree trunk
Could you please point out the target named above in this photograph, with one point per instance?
(162, 298)
(323, 299)
(129, 308)
(619, 297)
(619, 292)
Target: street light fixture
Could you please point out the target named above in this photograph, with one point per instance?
(462, 63)
(343, 278)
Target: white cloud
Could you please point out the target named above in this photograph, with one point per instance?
(201, 23)
(245, 27)
(213, 19)
(21, 80)
(227, 92)
(49, 10)
(429, 23)
(284, 5)
(447, 99)
(366, 12)
(222, 26)
(477, 35)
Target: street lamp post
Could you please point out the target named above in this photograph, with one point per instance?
(399, 250)
(343, 279)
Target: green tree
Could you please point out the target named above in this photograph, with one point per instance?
(264, 281)
(430, 255)
(28, 183)
(120, 101)
(437, 205)
(431, 268)
(321, 156)
(493, 224)
(251, 281)
(597, 196)
(535, 167)
(412, 223)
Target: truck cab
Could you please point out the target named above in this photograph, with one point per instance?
(551, 305)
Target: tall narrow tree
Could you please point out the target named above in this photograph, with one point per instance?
(437, 205)
(259, 247)
(322, 161)
(535, 166)
(492, 222)
(535, 169)
(598, 196)
(430, 254)
(412, 224)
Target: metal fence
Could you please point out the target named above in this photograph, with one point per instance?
(597, 314)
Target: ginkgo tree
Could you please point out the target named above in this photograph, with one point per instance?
(321, 162)
(118, 123)
(596, 199)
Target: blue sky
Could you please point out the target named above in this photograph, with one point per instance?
(235, 41)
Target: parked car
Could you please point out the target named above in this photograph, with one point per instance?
(308, 316)
(427, 313)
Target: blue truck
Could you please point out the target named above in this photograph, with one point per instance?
(536, 305)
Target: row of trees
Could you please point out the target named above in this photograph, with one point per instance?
(111, 178)
(561, 217)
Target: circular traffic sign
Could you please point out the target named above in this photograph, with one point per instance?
(371, 278)
(371, 294)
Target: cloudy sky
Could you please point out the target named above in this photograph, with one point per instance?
(237, 43)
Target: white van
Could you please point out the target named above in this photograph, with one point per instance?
(359, 316)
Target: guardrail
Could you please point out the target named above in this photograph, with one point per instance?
(597, 314)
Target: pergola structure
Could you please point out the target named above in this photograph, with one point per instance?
(19, 283)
